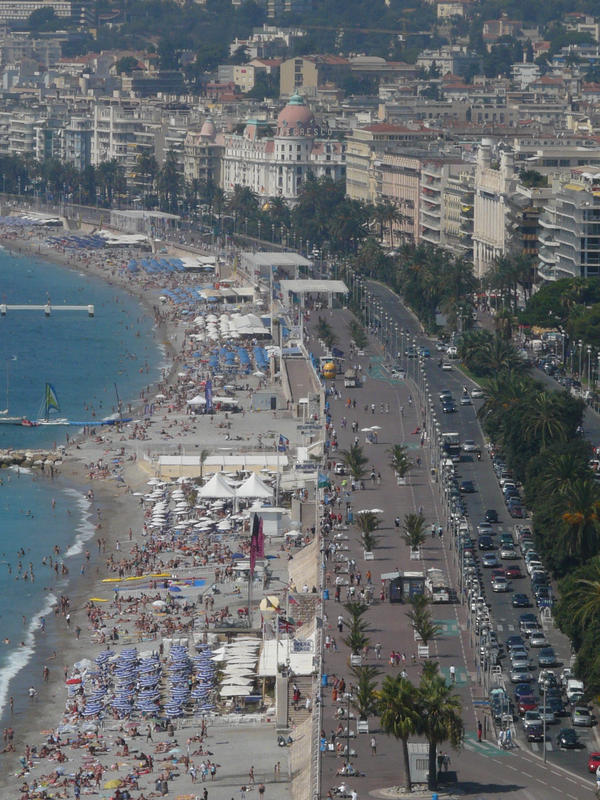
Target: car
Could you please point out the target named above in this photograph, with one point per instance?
(529, 617)
(446, 366)
(445, 394)
(535, 732)
(466, 487)
(424, 352)
(531, 718)
(500, 584)
(529, 627)
(547, 714)
(507, 538)
(533, 565)
(543, 596)
(516, 512)
(513, 571)
(491, 516)
(581, 717)
(593, 761)
(539, 577)
(489, 560)
(339, 469)
(449, 407)
(477, 393)
(521, 676)
(547, 657)
(399, 374)
(521, 663)
(515, 641)
(537, 639)
(520, 600)
(465, 400)
(507, 553)
(486, 543)
(548, 678)
(411, 352)
(567, 739)
(522, 690)
(557, 705)
(469, 446)
(527, 702)
(518, 654)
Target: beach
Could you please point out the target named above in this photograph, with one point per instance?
(118, 519)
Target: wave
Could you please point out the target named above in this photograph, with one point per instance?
(21, 470)
(19, 658)
(86, 528)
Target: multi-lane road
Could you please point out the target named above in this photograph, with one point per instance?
(567, 768)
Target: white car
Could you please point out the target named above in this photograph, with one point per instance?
(476, 393)
(465, 400)
(469, 446)
(339, 469)
(508, 552)
(538, 639)
(446, 366)
(500, 584)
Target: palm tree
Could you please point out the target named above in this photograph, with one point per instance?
(439, 718)
(355, 461)
(414, 530)
(398, 715)
(581, 519)
(420, 619)
(399, 460)
(560, 471)
(367, 522)
(582, 601)
(357, 638)
(364, 696)
(543, 420)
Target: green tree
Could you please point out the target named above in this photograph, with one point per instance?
(126, 65)
(364, 699)
(421, 621)
(355, 460)
(414, 530)
(169, 183)
(439, 718)
(368, 522)
(581, 519)
(399, 715)
(399, 460)
(544, 420)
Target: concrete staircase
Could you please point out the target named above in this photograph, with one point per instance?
(305, 684)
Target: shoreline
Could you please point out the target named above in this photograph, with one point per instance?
(72, 476)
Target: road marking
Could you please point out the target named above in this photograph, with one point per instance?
(526, 773)
(511, 627)
(549, 747)
(535, 747)
(500, 626)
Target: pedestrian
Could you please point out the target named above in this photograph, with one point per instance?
(446, 762)
(340, 623)
(261, 789)
(453, 673)
(378, 651)
(373, 746)
(251, 775)
(205, 794)
(440, 762)
(479, 730)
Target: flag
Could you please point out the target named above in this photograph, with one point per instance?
(283, 443)
(285, 625)
(323, 480)
(260, 541)
(208, 396)
(254, 544)
(293, 601)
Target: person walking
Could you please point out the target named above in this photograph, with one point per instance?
(373, 746)
(479, 730)
(453, 673)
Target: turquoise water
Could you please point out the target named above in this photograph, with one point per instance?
(83, 358)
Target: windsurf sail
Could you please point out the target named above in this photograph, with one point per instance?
(50, 400)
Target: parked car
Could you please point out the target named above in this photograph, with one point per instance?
(340, 468)
(593, 761)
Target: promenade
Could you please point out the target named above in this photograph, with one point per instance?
(399, 415)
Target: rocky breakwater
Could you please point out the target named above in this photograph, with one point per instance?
(38, 459)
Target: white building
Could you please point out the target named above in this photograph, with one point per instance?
(276, 164)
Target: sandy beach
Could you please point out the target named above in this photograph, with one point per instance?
(121, 532)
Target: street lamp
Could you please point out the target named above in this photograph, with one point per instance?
(589, 360)
(544, 689)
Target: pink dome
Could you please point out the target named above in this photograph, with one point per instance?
(208, 130)
(295, 117)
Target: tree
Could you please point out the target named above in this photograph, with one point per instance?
(439, 718)
(325, 333)
(420, 619)
(398, 714)
(543, 419)
(364, 696)
(169, 183)
(357, 638)
(126, 65)
(355, 461)
(399, 460)
(367, 522)
(414, 530)
(581, 519)
(581, 600)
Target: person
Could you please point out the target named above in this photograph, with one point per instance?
(446, 762)
(479, 730)
(453, 673)
(373, 746)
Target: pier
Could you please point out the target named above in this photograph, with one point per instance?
(47, 308)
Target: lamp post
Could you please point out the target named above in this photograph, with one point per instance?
(580, 346)
(544, 688)
(589, 373)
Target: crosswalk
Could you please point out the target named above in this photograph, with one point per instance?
(449, 627)
(461, 676)
(483, 748)
(537, 747)
(502, 627)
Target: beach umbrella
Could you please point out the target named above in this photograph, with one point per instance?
(114, 783)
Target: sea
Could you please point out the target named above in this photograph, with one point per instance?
(92, 363)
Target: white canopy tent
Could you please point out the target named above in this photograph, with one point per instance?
(217, 487)
(254, 487)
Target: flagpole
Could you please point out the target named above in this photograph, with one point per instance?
(250, 579)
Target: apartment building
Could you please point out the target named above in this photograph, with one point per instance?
(77, 142)
(570, 229)
(202, 154)
(114, 135)
(19, 10)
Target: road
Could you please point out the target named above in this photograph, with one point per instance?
(487, 495)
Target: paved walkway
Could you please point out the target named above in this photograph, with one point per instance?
(388, 623)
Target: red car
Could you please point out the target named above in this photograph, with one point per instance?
(499, 573)
(513, 572)
(594, 762)
(527, 703)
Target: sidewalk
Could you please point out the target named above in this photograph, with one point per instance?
(388, 624)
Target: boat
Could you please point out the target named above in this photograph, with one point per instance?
(48, 404)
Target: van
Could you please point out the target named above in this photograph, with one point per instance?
(574, 689)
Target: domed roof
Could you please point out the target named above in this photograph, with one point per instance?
(294, 117)
(208, 130)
